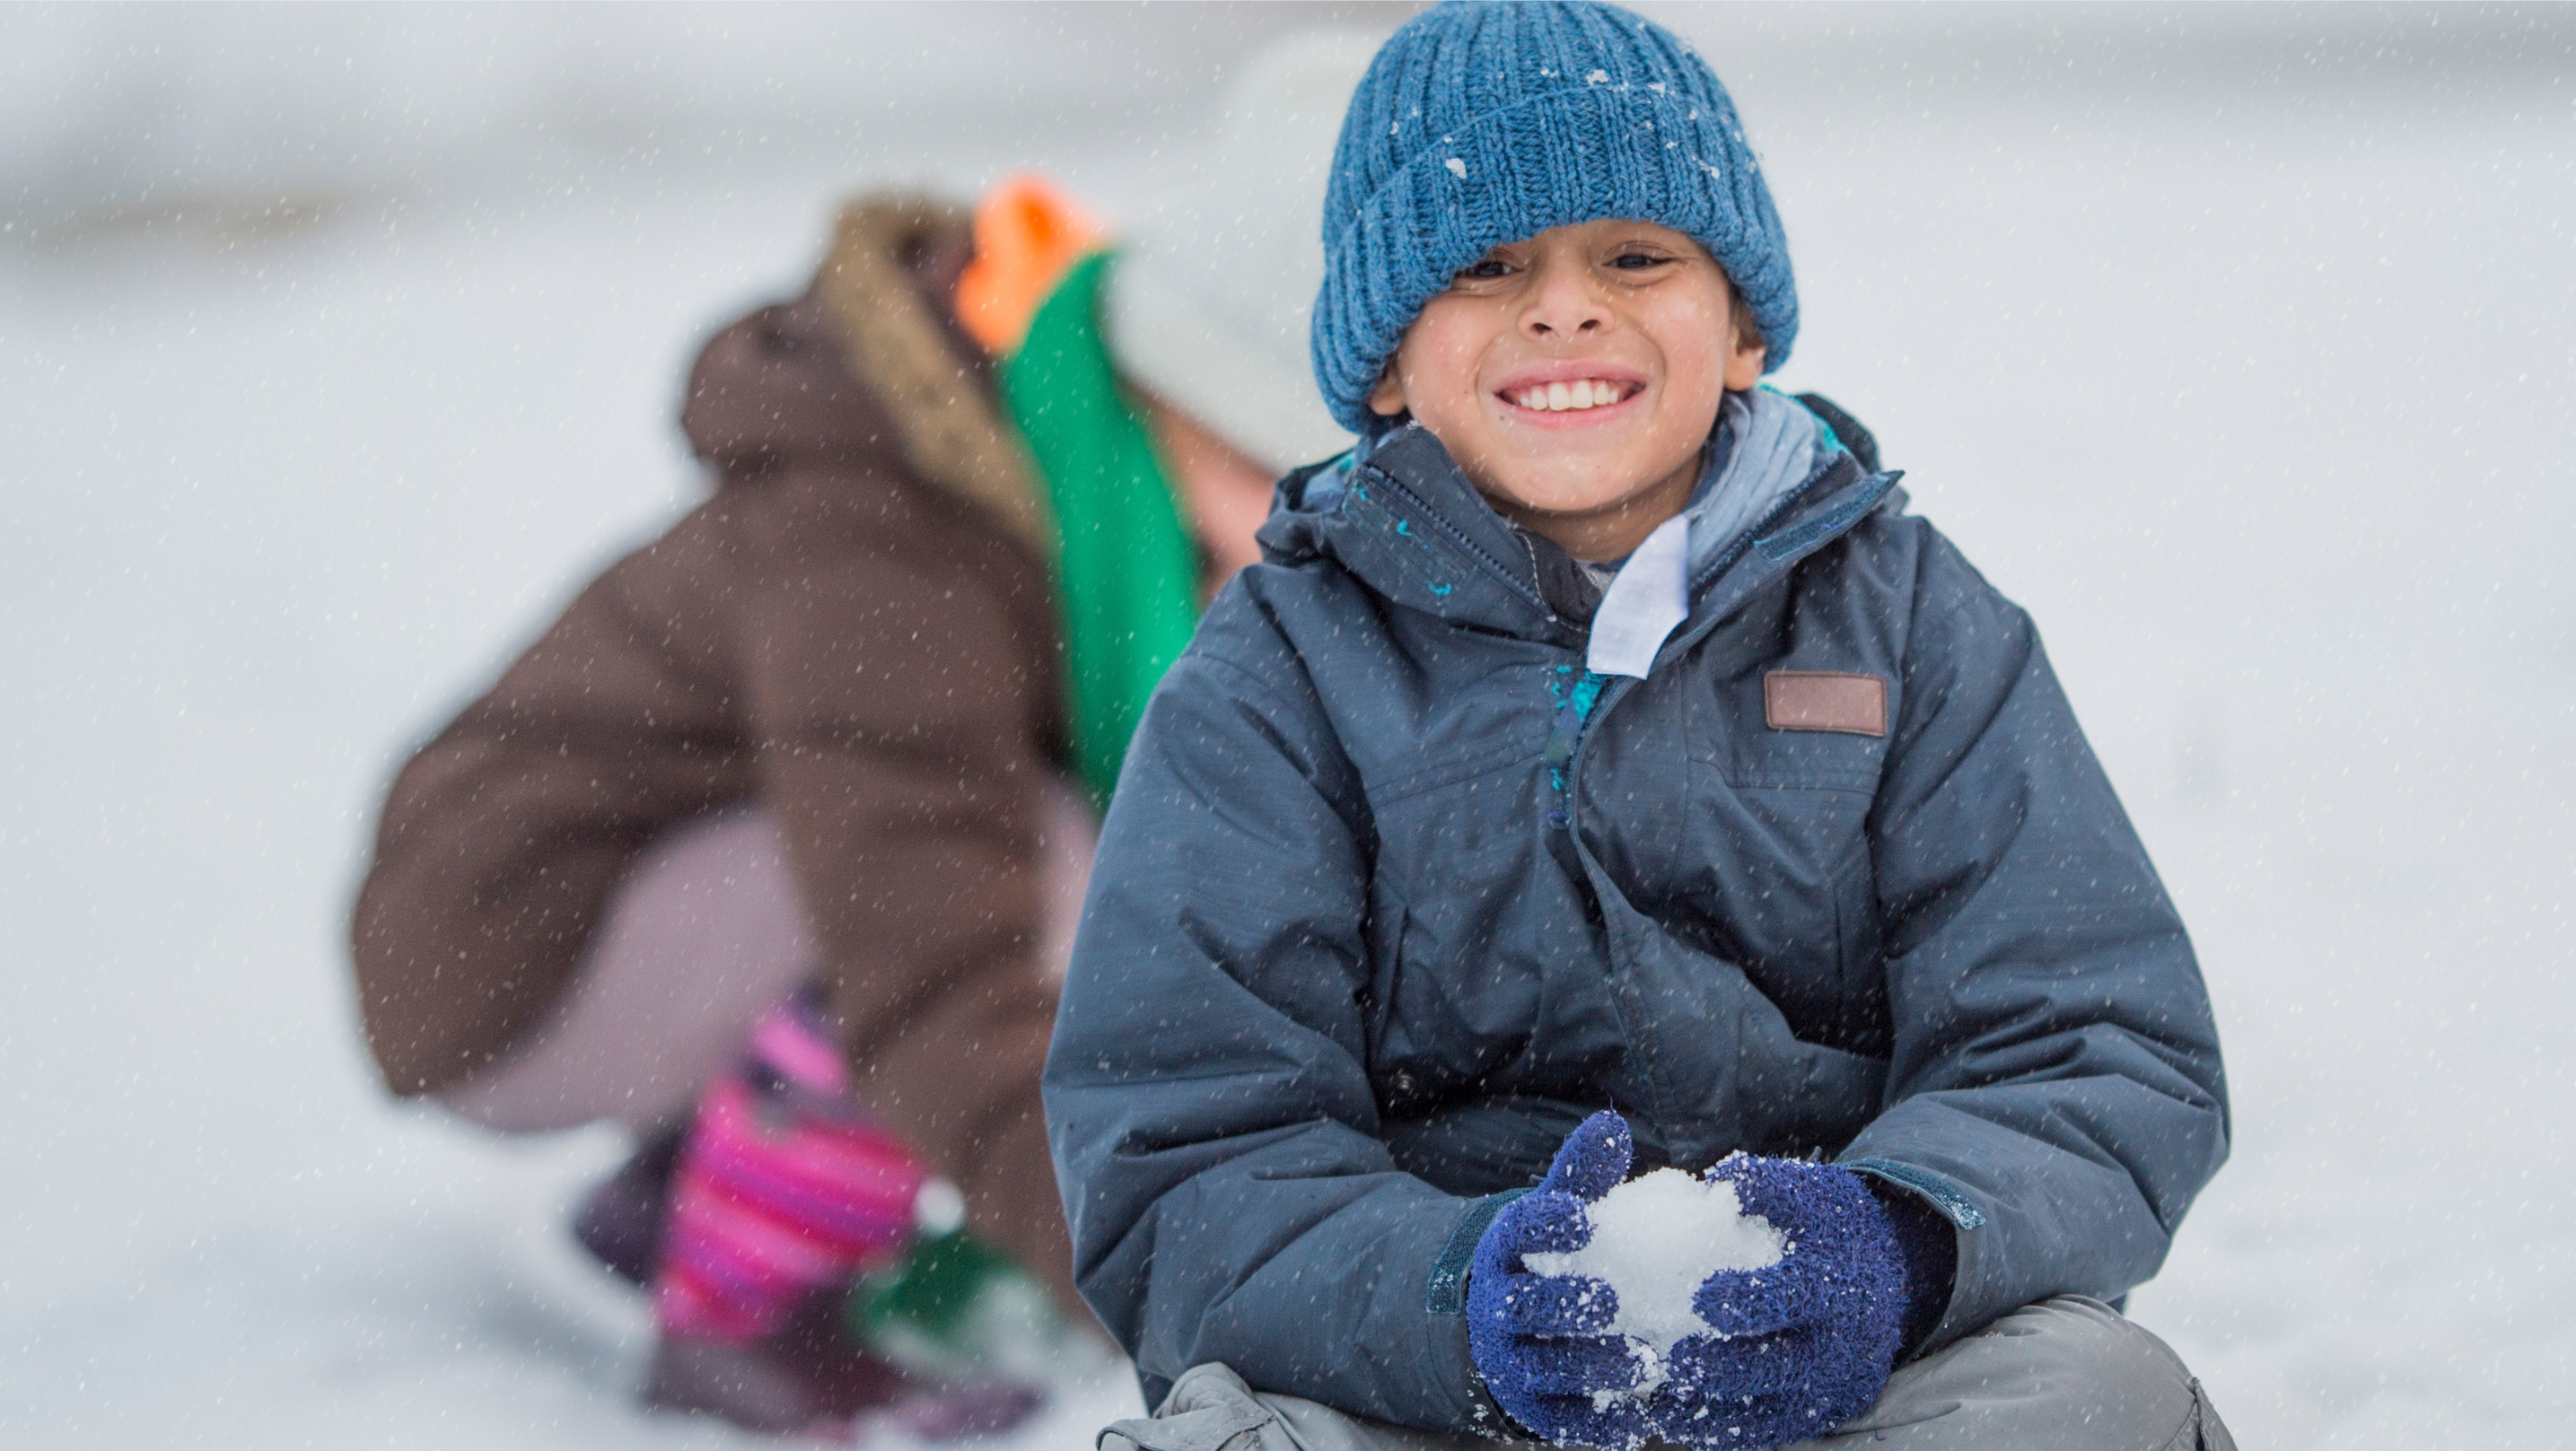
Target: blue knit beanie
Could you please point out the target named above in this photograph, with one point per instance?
(1487, 121)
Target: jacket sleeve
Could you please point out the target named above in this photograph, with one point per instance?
(1215, 1132)
(503, 838)
(2055, 1087)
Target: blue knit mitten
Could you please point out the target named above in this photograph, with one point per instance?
(1806, 1344)
(1543, 1342)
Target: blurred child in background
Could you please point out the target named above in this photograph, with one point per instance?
(771, 845)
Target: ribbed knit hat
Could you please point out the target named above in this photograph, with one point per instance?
(1487, 121)
(1207, 305)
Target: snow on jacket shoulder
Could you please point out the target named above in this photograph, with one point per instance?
(1392, 894)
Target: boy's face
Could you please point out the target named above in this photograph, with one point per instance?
(1634, 320)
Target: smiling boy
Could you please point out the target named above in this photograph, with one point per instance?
(1603, 772)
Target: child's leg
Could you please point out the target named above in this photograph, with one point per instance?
(1210, 1406)
(704, 935)
(2069, 1374)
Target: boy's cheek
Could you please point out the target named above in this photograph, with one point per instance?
(1433, 372)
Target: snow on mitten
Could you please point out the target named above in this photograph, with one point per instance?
(1802, 1345)
(1543, 1342)
(785, 1187)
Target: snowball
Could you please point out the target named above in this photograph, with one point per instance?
(1654, 1239)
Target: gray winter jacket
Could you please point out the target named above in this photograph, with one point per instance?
(1394, 892)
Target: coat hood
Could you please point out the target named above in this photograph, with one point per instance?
(871, 356)
(772, 391)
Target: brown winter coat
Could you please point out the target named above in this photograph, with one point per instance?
(857, 631)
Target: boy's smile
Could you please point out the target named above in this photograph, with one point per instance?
(1574, 376)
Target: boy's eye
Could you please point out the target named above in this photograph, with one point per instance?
(1484, 269)
(1638, 261)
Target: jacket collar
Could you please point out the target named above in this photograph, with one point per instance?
(1400, 514)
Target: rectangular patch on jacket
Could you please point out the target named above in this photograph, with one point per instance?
(1824, 700)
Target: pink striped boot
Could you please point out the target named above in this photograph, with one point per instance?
(786, 1192)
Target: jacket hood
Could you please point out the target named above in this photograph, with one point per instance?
(1400, 514)
(772, 391)
(870, 358)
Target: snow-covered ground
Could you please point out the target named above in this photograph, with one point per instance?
(336, 346)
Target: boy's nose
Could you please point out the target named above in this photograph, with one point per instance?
(1564, 303)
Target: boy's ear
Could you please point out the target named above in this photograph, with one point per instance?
(1744, 364)
(1387, 399)
(1745, 350)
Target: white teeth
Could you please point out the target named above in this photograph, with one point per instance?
(1564, 397)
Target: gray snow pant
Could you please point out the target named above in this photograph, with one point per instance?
(706, 932)
(2068, 1374)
